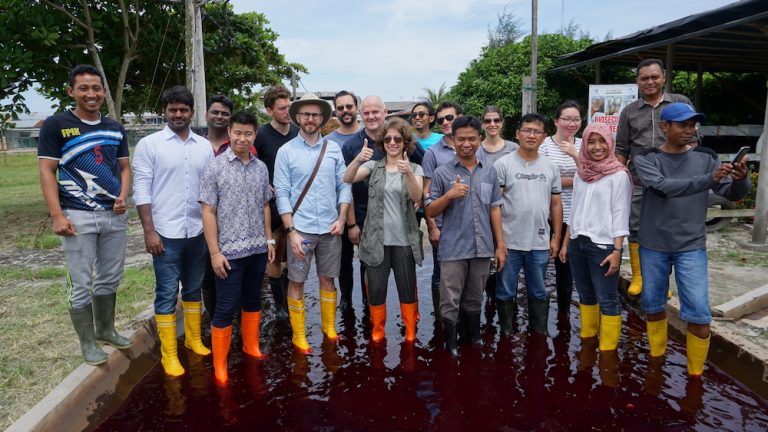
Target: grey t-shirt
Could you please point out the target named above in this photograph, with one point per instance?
(492, 157)
(527, 193)
(395, 227)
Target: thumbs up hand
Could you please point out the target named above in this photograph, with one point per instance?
(404, 166)
(459, 190)
(365, 154)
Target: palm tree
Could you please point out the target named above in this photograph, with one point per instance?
(436, 97)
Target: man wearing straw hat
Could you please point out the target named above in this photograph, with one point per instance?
(312, 200)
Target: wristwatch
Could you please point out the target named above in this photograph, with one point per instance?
(620, 250)
(271, 242)
(351, 225)
(289, 230)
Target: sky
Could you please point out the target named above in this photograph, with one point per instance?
(396, 48)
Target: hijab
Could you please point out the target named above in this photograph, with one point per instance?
(591, 170)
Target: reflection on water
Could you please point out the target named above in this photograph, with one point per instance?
(518, 383)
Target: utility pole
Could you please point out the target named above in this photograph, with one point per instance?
(294, 84)
(194, 60)
(529, 82)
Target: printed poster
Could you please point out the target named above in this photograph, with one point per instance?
(607, 101)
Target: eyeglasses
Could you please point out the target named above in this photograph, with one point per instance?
(396, 138)
(492, 120)
(528, 131)
(221, 113)
(306, 115)
(246, 134)
(449, 117)
(572, 120)
(419, 114)
(347, 107)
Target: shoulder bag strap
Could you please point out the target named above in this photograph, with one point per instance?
(311, 177)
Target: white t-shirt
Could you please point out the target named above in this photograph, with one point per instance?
(565, 164)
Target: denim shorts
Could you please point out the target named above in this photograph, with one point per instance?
(691, 278)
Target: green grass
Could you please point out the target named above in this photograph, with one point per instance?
(738, 257)
(39, 345)
(24, 220)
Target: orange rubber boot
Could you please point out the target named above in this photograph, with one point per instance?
(378, 319)
(220, 340)
(249, 327)
(410, 312)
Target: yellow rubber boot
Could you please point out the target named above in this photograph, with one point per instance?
(166, 329)
(610, 332)
(220, 341)
(328, 313)
(297, 316)
(636, 286)
(696, 350)
(657, 337)
(590, 317)
(192, 316)
(378, 321)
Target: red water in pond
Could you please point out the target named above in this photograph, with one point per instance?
(517, 383)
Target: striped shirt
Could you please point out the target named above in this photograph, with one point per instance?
(565, 164)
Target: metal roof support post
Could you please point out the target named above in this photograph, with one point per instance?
(598, 73)
(670, 68)
(760, 229)
(697, 102)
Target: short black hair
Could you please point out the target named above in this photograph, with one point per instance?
(83, 69)
(467, 121)
(178, 94)
(649, 62)
(425, 104)
(450, 104)
(344, 93)
(565, 105)
(244, 118)
(531, 118)
(220, 98)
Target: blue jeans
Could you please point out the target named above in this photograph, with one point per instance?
(591, 283)
(243, 281)
(183, 261)
(690, 275)
(534, 265)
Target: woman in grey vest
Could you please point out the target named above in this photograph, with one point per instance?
(391, 239)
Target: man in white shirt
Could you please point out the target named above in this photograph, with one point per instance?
(168, 165)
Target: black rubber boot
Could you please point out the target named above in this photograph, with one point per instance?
(462, 326)
(279, 291)
(104, 318)
(436, 302)
(473, 328)
(490, 289)
(82, 320)
(538, 315)
(507, 316)
(449, 336)
(345, 288)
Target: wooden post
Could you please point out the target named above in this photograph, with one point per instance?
(534, 54)
(699, 73)
(760, 229)
(528, 89)
(195, 62)
(598, 73)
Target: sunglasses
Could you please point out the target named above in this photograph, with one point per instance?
(347, 107)
(449, 117)
(492, 120)
(419, 114)
(396, 138)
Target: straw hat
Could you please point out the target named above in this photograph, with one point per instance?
(310, 99)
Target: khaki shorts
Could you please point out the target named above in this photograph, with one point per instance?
(327, 250)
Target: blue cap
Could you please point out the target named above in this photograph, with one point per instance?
(679, 111)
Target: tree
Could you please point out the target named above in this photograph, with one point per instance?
(435, 97)
(40, 40)
(507, 29)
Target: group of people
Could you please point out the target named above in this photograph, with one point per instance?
(220, 213)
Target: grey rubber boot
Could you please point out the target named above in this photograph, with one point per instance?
(104, 317)
(82, 320)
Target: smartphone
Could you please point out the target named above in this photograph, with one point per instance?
(740, 155)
